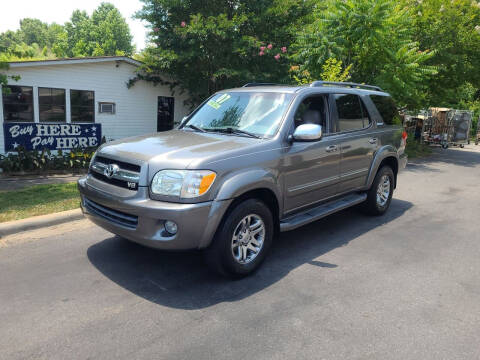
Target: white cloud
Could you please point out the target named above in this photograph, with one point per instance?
(59, 11)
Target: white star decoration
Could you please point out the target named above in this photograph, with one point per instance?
(15, 145)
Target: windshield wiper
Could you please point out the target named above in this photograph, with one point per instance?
(231, 130)
(194, 127)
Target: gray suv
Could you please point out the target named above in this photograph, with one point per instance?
(247, 164)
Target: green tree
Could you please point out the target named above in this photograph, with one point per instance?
(104, 33)
(4, 77)
(207, 46)
(8, 40)
(375, 38)
(112, 33)
(452, 30)
(33, 31)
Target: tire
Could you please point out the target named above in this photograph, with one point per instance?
(444, 146)
(378, 205)
(233, 258)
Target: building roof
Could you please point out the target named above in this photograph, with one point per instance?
(70, 61)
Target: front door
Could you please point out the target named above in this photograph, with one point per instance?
(165, 113)
(357, 145)
(311, 169)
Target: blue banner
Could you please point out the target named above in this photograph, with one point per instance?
(38, 136)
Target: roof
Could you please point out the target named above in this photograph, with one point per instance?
(70, 61)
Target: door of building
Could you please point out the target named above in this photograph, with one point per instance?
(165, 113)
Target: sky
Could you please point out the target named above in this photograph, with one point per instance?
(59, 11)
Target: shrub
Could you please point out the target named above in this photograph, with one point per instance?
(36, 161)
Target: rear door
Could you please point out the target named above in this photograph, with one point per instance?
(357, 144)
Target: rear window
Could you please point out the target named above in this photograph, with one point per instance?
(351, 113)
(387, 109)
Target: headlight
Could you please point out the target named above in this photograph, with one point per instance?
(182, 183)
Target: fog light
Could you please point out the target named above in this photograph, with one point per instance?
(171, 227)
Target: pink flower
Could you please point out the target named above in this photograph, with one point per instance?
(183, 24)
(262, 48)
(261, 53)
(269, 46)
(284, 49)
(277, 57)
(156, 29)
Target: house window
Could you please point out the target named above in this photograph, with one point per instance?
(18, 103)
(82, 106)
(52, 104)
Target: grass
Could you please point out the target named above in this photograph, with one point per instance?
(415, 149)
(38, 200)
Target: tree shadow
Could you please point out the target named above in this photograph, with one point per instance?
(182, 280)
(421, 167)
(453, 156)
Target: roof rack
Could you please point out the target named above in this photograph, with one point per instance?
(345, 84)
(259, 84)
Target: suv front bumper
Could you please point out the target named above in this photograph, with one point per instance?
(142, 220)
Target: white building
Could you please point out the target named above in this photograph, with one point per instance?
(69, 103)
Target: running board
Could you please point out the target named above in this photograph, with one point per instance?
(308, 216)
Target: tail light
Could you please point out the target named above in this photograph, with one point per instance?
(404, 138)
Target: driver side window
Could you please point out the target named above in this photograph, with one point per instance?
(312, 110)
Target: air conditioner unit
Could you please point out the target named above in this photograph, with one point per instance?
(106, 108)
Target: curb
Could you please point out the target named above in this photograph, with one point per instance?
(36, 222)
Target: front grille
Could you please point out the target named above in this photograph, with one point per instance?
(113, 181)
(126, 175)
(113, 216)
(121, 164)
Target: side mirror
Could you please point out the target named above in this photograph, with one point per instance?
(307, 132)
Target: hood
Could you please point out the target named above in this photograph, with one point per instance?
(175, 148)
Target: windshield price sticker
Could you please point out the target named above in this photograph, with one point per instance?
(214, 104)
(217, 103)
(223, 98)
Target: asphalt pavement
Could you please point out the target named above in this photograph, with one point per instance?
(402, 286)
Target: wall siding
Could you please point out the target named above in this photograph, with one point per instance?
(136, 108)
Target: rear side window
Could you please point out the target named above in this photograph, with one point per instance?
(351, 113)
(387, 109)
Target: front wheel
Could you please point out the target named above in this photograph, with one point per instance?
(242, 239)
(380, 194)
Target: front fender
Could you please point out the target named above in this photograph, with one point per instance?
(238, 183)
(380, 155)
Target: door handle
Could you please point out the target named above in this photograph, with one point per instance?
(332, 148)
(373, 140)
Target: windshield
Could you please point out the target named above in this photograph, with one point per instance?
(258, 113)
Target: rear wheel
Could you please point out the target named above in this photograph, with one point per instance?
(242, 239)
(380, 194)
